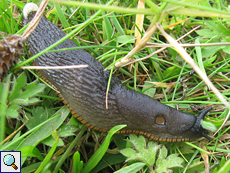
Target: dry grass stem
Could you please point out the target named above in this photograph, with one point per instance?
(187, 44)
(192, 63)
(15, 132)
(33, 24)
(139, 22)
(159, 50)
(140, 45)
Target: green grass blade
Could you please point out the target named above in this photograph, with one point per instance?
(61, 15)
(94, 160)
(225, 168)
(199, 56)
(4, 86)
(104, 7)
(72, 145)
(77, 163)
(50, 154)
(132, 168)
(64, 38)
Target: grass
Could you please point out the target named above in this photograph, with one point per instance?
(52, 140)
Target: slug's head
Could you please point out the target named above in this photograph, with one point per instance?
(29, 11)
(178, 126)
(157, 121)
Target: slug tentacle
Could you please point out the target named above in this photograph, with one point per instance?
(84, 91)
(197, 127)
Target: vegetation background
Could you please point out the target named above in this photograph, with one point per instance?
(35, 122)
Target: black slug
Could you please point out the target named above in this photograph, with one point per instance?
(84, 91)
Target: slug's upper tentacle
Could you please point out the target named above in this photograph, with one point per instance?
(197, 126)
(84, 90)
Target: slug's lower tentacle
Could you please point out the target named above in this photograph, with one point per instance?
(84, 91)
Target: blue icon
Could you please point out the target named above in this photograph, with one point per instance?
(9, 160)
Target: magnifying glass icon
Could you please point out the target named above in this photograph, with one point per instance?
(9, 160)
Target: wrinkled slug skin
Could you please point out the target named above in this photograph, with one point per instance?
(83, 90)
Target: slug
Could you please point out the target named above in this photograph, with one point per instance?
(84, 91)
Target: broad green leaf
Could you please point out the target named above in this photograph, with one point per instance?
(162, 154)
(107, 161)
(22, 94)
(208, 126)
(32, 91)
(31, 167)
(12, 111)
(205, 33)
(215, 121)
(31, 151)
(152, 151)
(163, 162)
(39, 115)
(93, 161)
(219, 29)
(17, 87)
(67, 130)
(32, 100)
(45, 131)
(138, 142)
(148, 89)
(75, 122)
(132, 168)
(226, 49)
(31, 84)
(196, 166)
(209, 51)
(128, 144)
(185, 149)
(129, 152)
(120, 142)
(50, 142)
(171, 71)
(126, 39)
(142, 153)
(19, 101)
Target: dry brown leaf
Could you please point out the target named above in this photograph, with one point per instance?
(139, 21)
(205, 157)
